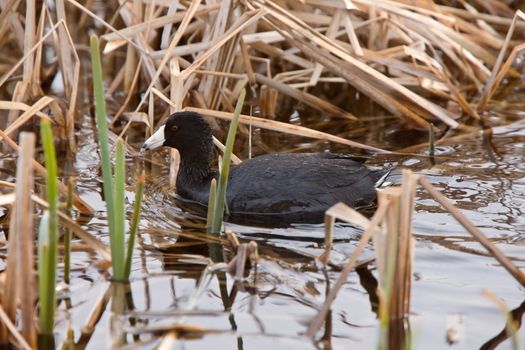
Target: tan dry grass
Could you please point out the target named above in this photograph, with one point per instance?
(423, 64)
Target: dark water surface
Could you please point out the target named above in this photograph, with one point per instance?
(484, 176)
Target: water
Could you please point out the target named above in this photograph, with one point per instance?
(483, 176)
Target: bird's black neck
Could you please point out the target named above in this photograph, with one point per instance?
(195, 169)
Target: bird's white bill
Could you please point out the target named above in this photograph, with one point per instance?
(156, 140)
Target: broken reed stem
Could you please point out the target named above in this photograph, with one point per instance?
(474, 231)
(6, 321)
(408, 194)
(372, 227)
(20, 275)
(24, 232)
(394, 247)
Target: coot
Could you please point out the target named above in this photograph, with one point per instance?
(294, 187)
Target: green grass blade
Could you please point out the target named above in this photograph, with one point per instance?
(212, 200)
(46, 287)
(119, 210)
(49, 231)
(225, 168)
(103, 138)
(139, 191)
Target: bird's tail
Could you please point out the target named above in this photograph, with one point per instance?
(382, 180)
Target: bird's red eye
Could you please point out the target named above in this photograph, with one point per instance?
(174, 128)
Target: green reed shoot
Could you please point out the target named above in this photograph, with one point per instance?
(212, 199)
(102, 128)
(119, 210)
(114, 186)
(67, 233)
(225, 168)
(48, 236)
(139, 190)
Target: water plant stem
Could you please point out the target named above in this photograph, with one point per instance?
(139, 191)
(120, 213)
(212, 199)
(48, 236)
(225, 168)
(103, 138)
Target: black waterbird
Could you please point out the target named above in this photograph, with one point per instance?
(289, 187)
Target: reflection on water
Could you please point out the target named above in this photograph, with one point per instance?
(484, 176)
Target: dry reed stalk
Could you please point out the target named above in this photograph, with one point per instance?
(42, 103)
(169, 341)
(506, 68)
(474, 231)
(394, 248)
(130, 66)
(23, 107)
(213, 63)
(105, 24)
(284, 127)
(151, 112)
(20, 275)
(96, 313)
(29, 39)
(130, 32)
(330, 34)
(393, 244)
(491, 86)
(90, 240)
(486, 17)
(8, 74)
(343, 212)
(13, 330)
(220, 146)
(370, 228)
(352, 36)
(381, 89)
(80, 204)
(20, 94)
(188, 15)
(305, 97)
(430, 24)
(243, 253)
(64, 57)
(274, 52)
(176, 93)
(23, 231)
(166, 29)
(247, 62)
(130, 95)
(72, 70)
(8, 18)
(36, 89)
(182, 50)
(247, 19)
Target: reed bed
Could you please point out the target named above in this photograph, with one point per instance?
(434, 66)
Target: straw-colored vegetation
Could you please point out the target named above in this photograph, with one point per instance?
(433, 65)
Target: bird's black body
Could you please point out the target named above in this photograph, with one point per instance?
(293, 187)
